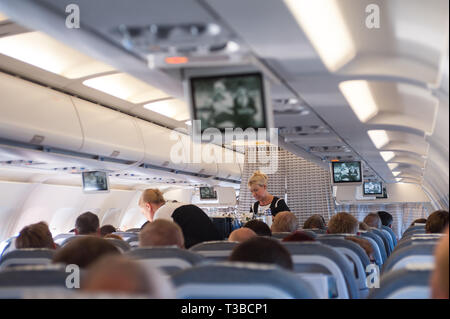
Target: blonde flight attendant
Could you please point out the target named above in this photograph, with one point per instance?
(264, 200)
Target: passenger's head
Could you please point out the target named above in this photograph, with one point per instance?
(364, 226)
(241, 234)
(113, 236)
(259, 227)
(262, 250)
(440, 278)
(161, 232)
(149, 202)
(258, 185)
(298, 235)
(35, 236)
(87, 224)
(365, 244)
(117, 274)
(284, 222)
(386, 218)
(107, 229)
(343, 223)
(373, 220)
(85, 250)
(315, 221)
(419, 221)
(437, 222)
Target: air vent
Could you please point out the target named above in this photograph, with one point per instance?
(288, 106)
(303, 130)
(37, 139)
(329, 149)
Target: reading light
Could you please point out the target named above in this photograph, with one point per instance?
(359, 96)
(44, 52)
(325, 26)
(379, 138)
(125, 87)
(387, 156)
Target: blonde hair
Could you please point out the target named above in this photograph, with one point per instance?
(284, 222)
(258, 178)
(151, 195)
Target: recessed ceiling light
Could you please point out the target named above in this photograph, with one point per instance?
(387, 156)
(379, 138)
(360, 98)
(396, 173)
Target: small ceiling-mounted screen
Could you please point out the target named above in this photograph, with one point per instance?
(95, 181)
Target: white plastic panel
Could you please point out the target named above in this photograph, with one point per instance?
(31, 113)
(203, 157)
(162, 146)
(109, 133)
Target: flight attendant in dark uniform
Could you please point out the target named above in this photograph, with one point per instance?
(264, 200)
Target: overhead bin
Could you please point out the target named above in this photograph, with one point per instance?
(162, 147)
(31, 113)
(228, 169)
(202, 157)
(109, 133)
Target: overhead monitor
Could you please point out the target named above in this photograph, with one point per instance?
(372, 188)
(224, 101)
(385, 195)
(208, 193)
(95, 181)
(346, 173)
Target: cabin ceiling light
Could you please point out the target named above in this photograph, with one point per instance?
(399, 179)
(379, 138)
(396, 173)
(125, 87)
(325, 26)
(392, 166)
(387, 156)
(42, 51)
(172, 108)
(3, 17)
(359, 96)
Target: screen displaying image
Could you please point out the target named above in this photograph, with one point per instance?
(229, 101)
(373, 188)
(208, 193)
(346, 172)
(95, 181)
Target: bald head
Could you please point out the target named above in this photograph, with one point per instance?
(440, 278)
(117, 274)
(284, 222)
(161, 232)
(241, 234)
(373, 220)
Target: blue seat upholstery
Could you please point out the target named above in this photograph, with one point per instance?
(168, 259)
(379, 243)
(280, 235)
(311, 232)
(316, 230)
(356, 254)
(120, 244)
(316, 257)
(59, 239)
(29, 256)
(403, 284)
(419, 253)
(390, 240)
(394, 238)
(384, 239)
(240, 281)
(414, 229)
(218, 250)
(128, 236)
(414, 240)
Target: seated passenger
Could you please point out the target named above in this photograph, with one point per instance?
(84, 251)
(284, 222)
(262, 250)
(107, 229)
(87, 224)
(386, 218)
(259, 227)
(437, 222)
(418, 221)
(373, 220)
(299, 236)
(197, 227)
(315, 221)
(113, 236)
(364, 226)
(161, 232)
(439, 278)
(241, 234)
(35, 236)
(117, 274)
(343, 223)
(365, 244)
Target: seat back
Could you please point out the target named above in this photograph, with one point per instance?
(376, 251)
(59, 239)
(28, 256)
(412, 254)
(406, 283)
(384, 239)
(235, 280)
(390, 240)
(316, 231)
(379, 243)
(394, 238)
(414, 240)
(128, 236)
(13, 281)
(122, 245)
(356, 254)
(317, 257)
(415, 229)
(169, 259)
(218, 250)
